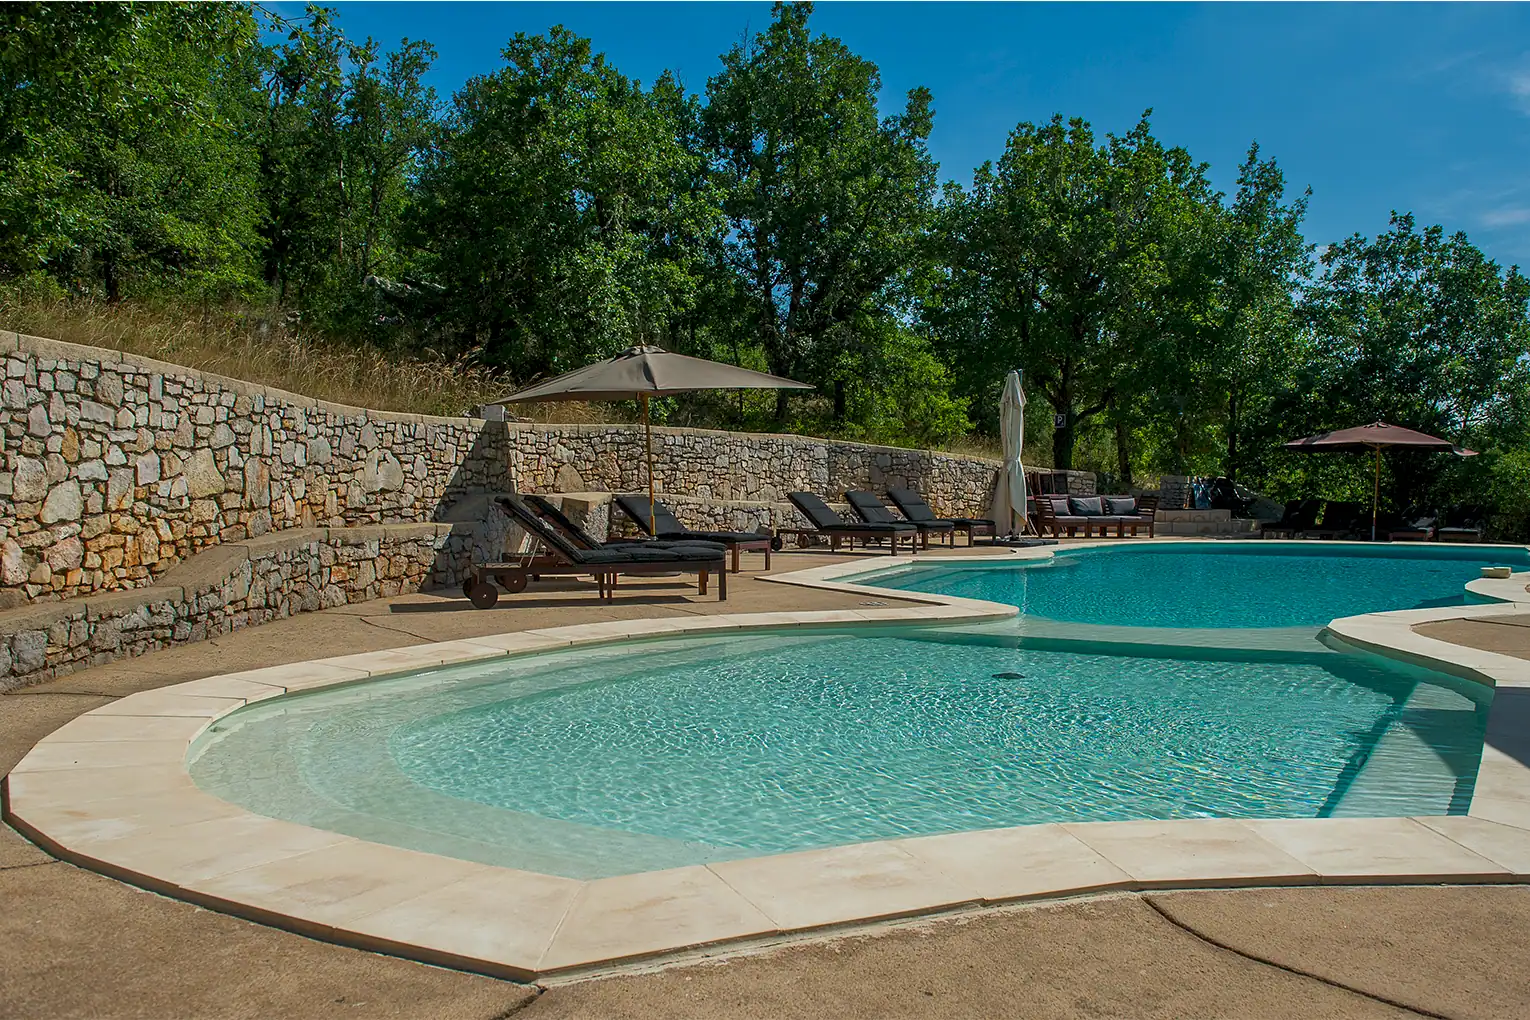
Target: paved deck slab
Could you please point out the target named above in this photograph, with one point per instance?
(161, 951)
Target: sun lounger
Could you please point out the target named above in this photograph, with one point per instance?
(667, 526)
(836, 529)
(917, 511)
(870, 509)
(1466, 523)
(1341, 519)
(1300, 515)
(553, 515)
(562, 557)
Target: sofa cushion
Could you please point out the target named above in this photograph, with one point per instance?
(1058, 505)
(1121, 506)
(1087, 506)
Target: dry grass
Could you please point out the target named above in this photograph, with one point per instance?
(264, 346)
(257, 347)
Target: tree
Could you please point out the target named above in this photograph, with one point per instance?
(557, 208)
(120, 150)
(1060, 264)
(1420, 329)
(1264, 259)
(825, 203)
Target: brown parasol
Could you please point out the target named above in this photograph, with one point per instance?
(642, 372)
(1374, 437)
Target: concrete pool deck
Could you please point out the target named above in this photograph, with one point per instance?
(402, 621)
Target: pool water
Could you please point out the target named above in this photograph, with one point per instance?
(631, 758)
(1218, 585)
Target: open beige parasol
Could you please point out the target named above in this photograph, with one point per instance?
(639, 373)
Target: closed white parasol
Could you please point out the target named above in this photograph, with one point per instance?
(1009, 497)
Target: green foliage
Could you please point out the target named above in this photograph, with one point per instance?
(121, 156)
(558, 209)
(555, 211)
(826, 204)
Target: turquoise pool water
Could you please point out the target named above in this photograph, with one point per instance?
(664, 753)
(1219, 584)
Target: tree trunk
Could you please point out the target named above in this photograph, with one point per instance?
(1062, 441)
(1233, 407)
(1062, 403)
(1123, 451)
(839, 400)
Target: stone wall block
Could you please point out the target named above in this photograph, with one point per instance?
(202, 475)
(64, 502)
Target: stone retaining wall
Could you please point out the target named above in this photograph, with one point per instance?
(239, 584)
(117, 467)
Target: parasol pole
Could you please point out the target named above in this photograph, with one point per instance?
(1376, 492)
(648, 447)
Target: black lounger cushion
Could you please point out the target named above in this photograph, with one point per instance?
(869, 507)
(667, 526)
(607, 556)
(824, 518)
(913, 505)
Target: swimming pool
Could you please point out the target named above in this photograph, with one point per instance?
(613, 760)
(1216, 585)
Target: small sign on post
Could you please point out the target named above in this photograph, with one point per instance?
(1059, 421)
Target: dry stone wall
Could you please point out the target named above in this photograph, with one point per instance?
(116, 467)
(237, 585)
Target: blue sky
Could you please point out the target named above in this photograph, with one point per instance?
(1422, 107)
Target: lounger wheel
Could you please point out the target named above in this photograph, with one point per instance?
(484, 594)
(776, 543)
(514, 583)
(467, 586)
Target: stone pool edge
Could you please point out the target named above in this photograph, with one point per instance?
(110, 791)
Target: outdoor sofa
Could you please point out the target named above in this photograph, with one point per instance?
(916, 510)
(829, 524)
(562, 557)
(667, 527)
(1068, 515)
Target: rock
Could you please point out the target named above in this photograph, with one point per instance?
(221, 436)
(66, 555)
(30, 481)
(319, 451)
(257, 482)
(119, 488)
(390, 474)
(69, 447)
(568, 479)
(37, 421)
(147, 469)
(91, 471)
(100, 413)
(202, 477)
(109, 388)
(13, 563)
(64, 503)
(30, 649)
